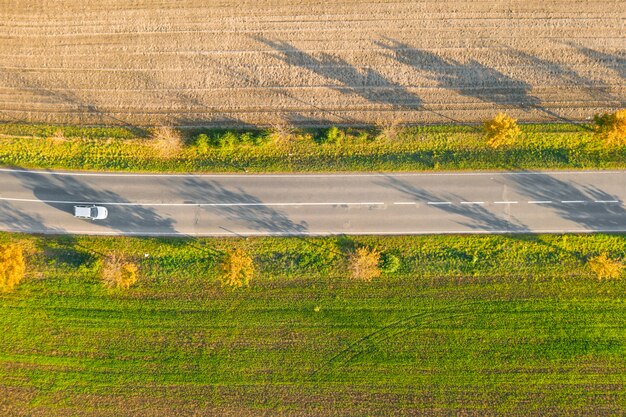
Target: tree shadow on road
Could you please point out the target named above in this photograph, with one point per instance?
(16, 220)
(238, 205)
(63, 191)
(476, 216)
(592, 215)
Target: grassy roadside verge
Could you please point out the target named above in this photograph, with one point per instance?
(541, 146)
(467, 324)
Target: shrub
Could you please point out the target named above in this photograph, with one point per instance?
(611, 127)
(118, 273)
(237, 269)
(389, 263)
(364, 264)
(605, 267)
(12, 266)
(333, 136)
(166, 141)
(502, 130)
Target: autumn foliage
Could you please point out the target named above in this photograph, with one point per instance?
(166, 141)
(119, 273)
(611, 128)
(12, 266)
(364, 264)
(605, 267)
(237, 269)
(502, 130)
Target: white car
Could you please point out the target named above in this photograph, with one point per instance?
(91, 212)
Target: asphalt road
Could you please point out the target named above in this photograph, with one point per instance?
(226, 205)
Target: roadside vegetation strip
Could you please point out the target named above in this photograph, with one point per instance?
(538, 146)
(460, 323)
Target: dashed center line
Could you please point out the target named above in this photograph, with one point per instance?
(472, 202)
(242, 204)
(606, 201)
(437, 203)
(540, 202)
(572, 201)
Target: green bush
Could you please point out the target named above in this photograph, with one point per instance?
(389, 263)
(332, 136)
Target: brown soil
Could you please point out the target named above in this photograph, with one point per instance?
(310, 62)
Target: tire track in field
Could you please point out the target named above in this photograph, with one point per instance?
(390, 331)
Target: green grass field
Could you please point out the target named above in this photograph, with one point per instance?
(541, 146)
(469, 325)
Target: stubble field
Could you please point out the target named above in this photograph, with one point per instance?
(308, 62)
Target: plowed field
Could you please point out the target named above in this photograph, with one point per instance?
(309, 62)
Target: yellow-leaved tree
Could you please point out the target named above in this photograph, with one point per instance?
(237, 269)
(605, 267)
(611, 128)
(502, 130)
(364, 264)
(12, 266)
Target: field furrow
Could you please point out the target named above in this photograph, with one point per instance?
(309, 62)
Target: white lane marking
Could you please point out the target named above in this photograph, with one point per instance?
(260, 175)
(505, 202)
(540, 202)
(606, 201)
(438, 203)
(104, 203)
(407, 203)
(573, 201)
(472, 202)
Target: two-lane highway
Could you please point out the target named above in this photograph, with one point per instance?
(221, 205)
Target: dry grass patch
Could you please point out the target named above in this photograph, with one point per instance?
(388, 129)
(166, 141)
(237, 269)
(606, 268)
(502, 130)
(118, 272)
(282, 133)
(364, 264)
(611, 128)
(12, 266)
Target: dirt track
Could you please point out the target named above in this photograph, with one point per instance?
(309, 62)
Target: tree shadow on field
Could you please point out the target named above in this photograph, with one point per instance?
(616, 63)
(238, 205)
(62, 192)
(477, 217)
(366, 83)
(594, 89)
(470, 79)
(593, 215)
(251, 79)
(65, 96)
(197, 112)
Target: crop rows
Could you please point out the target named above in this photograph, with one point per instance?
(308, 62)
